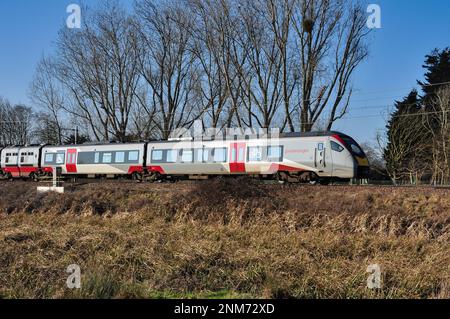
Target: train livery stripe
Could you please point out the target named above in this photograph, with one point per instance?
(16, 171)
(156, 169)
(135, 169)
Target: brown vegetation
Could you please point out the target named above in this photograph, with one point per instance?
(224, 238)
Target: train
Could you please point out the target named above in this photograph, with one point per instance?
(317, 157)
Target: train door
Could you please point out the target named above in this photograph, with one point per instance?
(322, 158)
(319, 157)
(237, 157)
(71, 161)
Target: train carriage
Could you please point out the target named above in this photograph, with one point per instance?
(289, 157)
(21, 162)
(92, 160)
(293, 157)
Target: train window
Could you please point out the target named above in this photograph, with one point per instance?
(187, 156)
(107, 158)
(7, 160)
(220, 155)
(336, 147)
(241, 155)
(275, 153)
(97, 158)
(60, 158)
(355, 148)
(157, 155)
(49, 158)
(206, 155)
(255, 154)
(171, 156)
(85, 158)
(120, 157)
(133, 156)
(22, 159)
(203, 155)
(69, 158)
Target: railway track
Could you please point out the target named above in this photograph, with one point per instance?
(83, 182)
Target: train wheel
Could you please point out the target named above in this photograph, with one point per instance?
(137, 177)
(314, 179)
(153, 177)
(34, 177)
(280, 178)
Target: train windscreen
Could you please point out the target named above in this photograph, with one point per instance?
(355, 148)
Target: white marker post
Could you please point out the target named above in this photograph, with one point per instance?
(56, 187)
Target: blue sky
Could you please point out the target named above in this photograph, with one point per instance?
(410, 30)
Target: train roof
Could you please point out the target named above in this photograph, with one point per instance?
(312, 134)
(19, 146)
(281, 135)
(95, 144)
(257, 136)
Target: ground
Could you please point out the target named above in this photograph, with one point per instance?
(222, 239)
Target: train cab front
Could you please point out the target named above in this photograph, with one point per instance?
(362, 166)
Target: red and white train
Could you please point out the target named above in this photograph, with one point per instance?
(292, 157)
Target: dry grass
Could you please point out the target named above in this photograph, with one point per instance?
(224, 239)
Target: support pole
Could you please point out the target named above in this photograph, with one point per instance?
(56, 184)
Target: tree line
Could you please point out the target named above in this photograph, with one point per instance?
(141, 74)
(417, 145)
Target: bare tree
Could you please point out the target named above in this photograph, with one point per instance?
(47, 93)
(226, 26)
(242, 48)
(227, 62)
(15, 124)
(404, 153)
(167, 65)
(280, 14)
(47, 130)
(207, 47)
(262, 76)
(99, 67)
(330, 36)
(438, 125)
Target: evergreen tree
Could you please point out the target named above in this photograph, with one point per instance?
(412, 129)
(437, 66)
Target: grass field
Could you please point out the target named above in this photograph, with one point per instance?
(224, 239)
